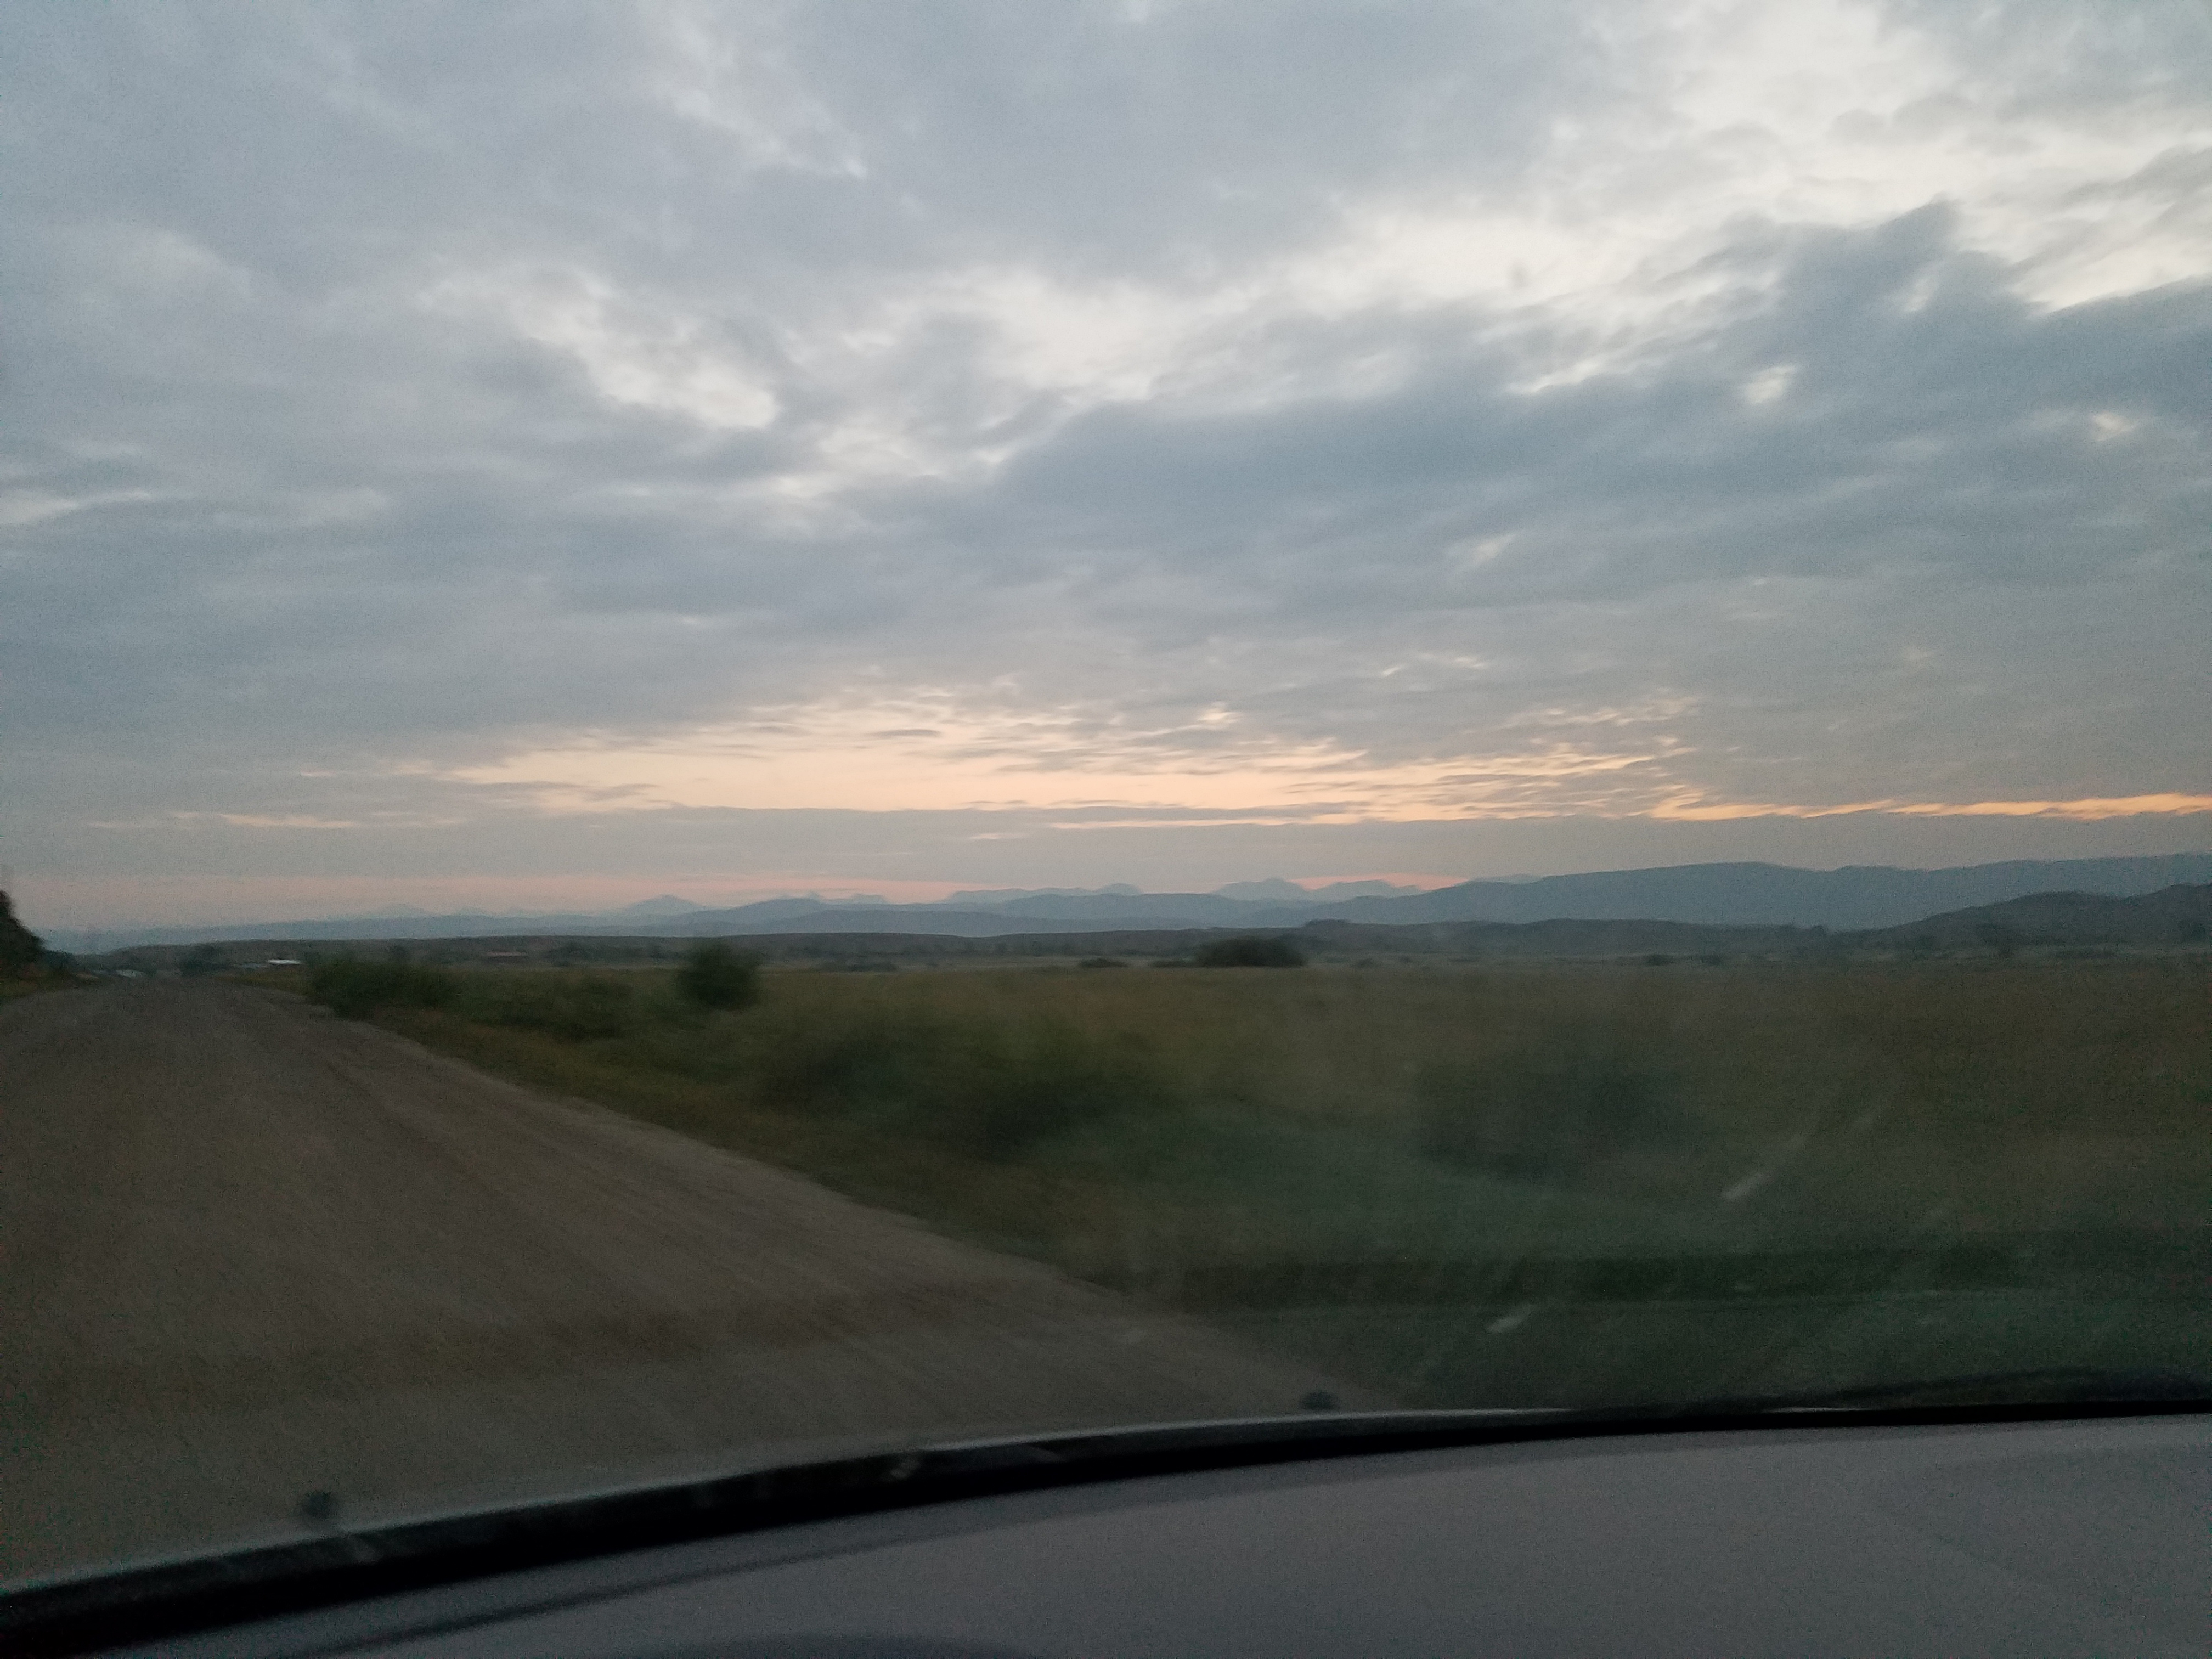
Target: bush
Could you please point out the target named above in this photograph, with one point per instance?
(353, 989)
(22, 951)
(715, 976)
(1250, 952)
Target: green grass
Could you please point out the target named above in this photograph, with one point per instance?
(1270, 1147)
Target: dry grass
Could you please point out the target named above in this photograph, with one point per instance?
(2004, 1097)
(1262, 1144)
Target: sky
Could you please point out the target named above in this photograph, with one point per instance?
(544, 456)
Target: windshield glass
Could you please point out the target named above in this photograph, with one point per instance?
(737, 732)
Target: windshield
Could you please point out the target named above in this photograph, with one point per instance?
(737, 733)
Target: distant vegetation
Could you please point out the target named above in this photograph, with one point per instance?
(2175, 920)
(22, 951)
(26, 964)
(715, 976)
(1252, 952)
(575, 1005)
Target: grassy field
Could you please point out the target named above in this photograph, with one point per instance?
(1379, 1166)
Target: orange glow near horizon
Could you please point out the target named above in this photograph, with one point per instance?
(940, 751)
(936, 751)
(2089, 809)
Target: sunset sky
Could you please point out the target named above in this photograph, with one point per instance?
(541, 457)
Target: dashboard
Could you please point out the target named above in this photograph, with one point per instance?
(2073, 1537)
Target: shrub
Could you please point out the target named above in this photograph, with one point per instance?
(22, 951)
(715, 976)
(2000, 938)
(353, 989)
(1250, 952)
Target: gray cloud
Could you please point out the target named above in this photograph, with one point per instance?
(397, 389)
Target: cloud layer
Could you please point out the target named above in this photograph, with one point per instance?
(444, 421)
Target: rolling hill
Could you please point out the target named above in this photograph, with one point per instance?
(1743, 894)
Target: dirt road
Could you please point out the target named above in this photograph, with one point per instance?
(252, 1253)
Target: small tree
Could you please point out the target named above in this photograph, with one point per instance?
(715, 976)
(22, 951)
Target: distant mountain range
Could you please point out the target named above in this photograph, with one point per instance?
(1861, 896)
(2172, 916)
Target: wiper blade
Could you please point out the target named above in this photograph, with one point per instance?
(75, 1614)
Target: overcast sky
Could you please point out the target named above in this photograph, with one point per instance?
(547, 455)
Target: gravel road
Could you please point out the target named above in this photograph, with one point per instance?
(249, 1253)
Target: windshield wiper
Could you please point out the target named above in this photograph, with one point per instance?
(73, 1614)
